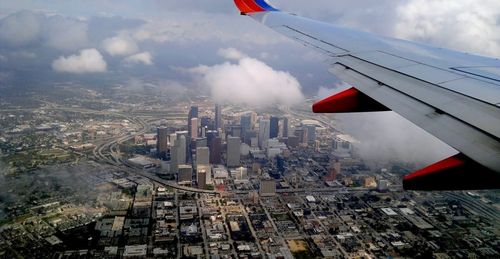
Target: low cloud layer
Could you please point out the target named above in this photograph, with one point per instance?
(21, 28)
(248, 81)
(386, 136)
(120, 46)
(144, 58)
(87, 61)
(27, 28)
(464, 24)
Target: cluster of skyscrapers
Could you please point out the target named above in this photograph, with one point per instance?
(207, 141)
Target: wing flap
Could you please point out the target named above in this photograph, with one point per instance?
(464, 137)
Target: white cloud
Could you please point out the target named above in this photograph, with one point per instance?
(88, 61)
(144, 57)
(231, 54)
(249, 82)
(26, 27)
(120, 46)
(197, 26)
(21, 28)
(386, 136)
(3, 58)
(461, 24)
(66, 34)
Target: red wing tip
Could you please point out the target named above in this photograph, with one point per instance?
(454, 173)
(350, 100)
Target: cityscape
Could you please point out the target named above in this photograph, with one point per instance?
(266, 129)
(198, 179)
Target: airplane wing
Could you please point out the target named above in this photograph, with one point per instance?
(454, 96)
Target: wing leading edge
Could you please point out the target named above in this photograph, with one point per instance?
(433, 88)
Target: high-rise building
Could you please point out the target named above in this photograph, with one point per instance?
(285, 127)
(274, 127)
(311, 132)
(202, 156)
(202, 179)
(267, 187)
(246, 122)
(178, 153)
(301, 134)
(218, 117)
(194, 128)
(201, 142)
(233, 151)
(249, 134)
(215, 150)
(193, 113)
(185, 175)
(246, 125)
(292, 141)
(342, 146)
(264, 132)
(207, 169)
(162, 142)
(204, 131)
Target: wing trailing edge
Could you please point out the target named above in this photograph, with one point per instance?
(350, 100)
(455, 173)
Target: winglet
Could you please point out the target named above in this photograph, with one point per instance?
(253, 6)
(350, 100)
(455, 173)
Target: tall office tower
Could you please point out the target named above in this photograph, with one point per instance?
(215, 150)
(234, 130)
(185, 175)
(201, 142)
(194, 128)
(253, 117)
(293, 141)
(172, 138)
(211, 135)
(204, 131)
(202, 156)
(264, 133)
(187, 141)
(208, 173)
(218, 117)
(301, 134)
(174, 157)
(181, 149)
(202, 179)
(206, 122)
(267, 187)
(246, 125)
(285, 127)
(274, 127)
(311, 133)
(249, 135)
(193, 113)
(233, 151)
(162, 142)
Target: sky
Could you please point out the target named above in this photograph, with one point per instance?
(206, 45)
